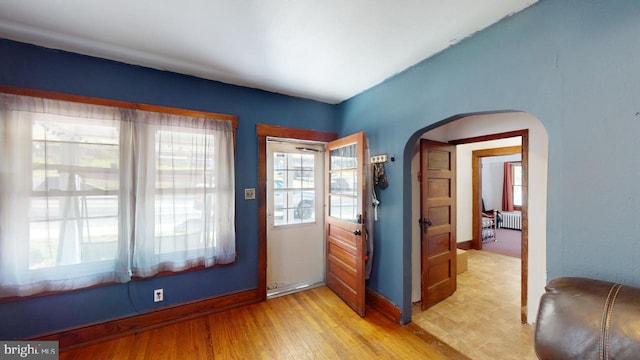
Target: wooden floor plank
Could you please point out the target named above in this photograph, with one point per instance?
(314, 324)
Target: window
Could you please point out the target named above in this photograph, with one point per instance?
(343, 172)
(92, 194)
(516, 181)
(73, 208)
(293, 188)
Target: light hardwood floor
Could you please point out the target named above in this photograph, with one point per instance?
(313, 324)
(482, 318)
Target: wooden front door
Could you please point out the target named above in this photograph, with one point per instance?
(345, 233)
(437, 221)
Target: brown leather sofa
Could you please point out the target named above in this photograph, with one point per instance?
(583, 318)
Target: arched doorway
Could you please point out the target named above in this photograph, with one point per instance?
(480, 126)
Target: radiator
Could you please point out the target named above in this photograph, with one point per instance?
(511, 220)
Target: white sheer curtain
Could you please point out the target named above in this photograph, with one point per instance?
(93, 194)
(185, 202)
(51, 185)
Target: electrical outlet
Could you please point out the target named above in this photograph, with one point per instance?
(158, 295)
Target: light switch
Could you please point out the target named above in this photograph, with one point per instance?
(250, 194)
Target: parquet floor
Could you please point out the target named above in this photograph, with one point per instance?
(482, 318)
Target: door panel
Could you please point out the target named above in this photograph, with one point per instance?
(440, 216)
(439, 188)
(437, 209)
(439, 243)
(345, 233)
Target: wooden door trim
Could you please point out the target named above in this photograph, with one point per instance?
(476, 179)
(263, 131)
(524, 258)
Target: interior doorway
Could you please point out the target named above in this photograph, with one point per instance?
(476, 243)
(471, 165)
(497, 184)
(475, 128)
(295, 216)
(263, 132)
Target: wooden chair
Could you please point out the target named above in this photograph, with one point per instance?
(490, 222)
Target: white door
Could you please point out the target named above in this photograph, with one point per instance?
(295, 216)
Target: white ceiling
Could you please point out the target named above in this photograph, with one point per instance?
(326, 50)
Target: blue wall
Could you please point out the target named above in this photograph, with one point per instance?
(27, 66)
(575, 65)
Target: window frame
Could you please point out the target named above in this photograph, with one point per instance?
(124, 105)
(120, 104)
(513, 184)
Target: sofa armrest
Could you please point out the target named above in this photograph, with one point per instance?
(583, 318)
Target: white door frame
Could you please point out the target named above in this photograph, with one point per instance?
(295, 242)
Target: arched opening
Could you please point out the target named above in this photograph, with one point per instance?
(481, 126)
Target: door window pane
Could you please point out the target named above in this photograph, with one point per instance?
(343, 180)
(345, 157)
(294, 188)
(343, 207)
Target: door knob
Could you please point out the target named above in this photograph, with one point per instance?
(357, 232)
(424, 224)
